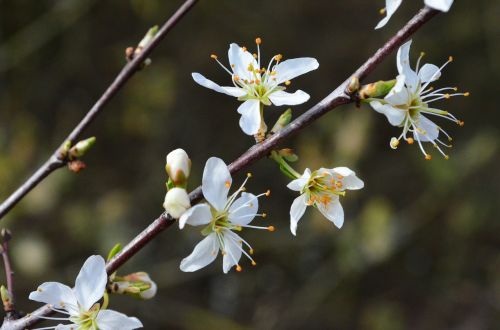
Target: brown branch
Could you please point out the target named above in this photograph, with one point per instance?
(338, 97)
(8, 302)
(56, 161)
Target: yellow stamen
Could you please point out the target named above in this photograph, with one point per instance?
(254, 55)
(466, 94)
(382, 11)
(461, 123)
(446, 157)
(254, 263)
(271, 228)
(258, 41)
(238, 268)
(268, 193)
(227, 184)
(428, 157)
(249, 174)
(288, 82)
(250, 251)
(213, 56)
(447, 96)
(450, 58)
(244, 48)
(278, 57)
(264, 215)
(410, 140)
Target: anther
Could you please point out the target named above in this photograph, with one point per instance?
(264, 215)
(249, 175)
(446, 157)
(213, 56)
(466, 94)
(278, 57)
(244, 48)
(455, 89)
(450, 59)
(461, 123)
(236, 77)
(288, 82)
(227, 184)
(447, 96)
(394, 143)
(254, 55)
(271, 228)
(410, 140)
(238, 268)
(258, 41)
(268, 193)
(382, 11)
(250, 251)
(254, 263)
(422, 54)
(428, 157)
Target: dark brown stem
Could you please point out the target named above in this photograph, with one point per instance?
(54, 162)
(338, 97)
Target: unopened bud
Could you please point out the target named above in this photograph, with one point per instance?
(178, 167)
(288, 154)
(377, 89)
(282, 121)
(148, 37)
(6, 298)
(81, 147)
(176, 202)
(138, 285)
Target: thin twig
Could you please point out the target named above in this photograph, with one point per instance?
(8, 304)
(338, 97)
(55, 162)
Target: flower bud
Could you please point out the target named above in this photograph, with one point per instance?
(178, 167)
(81, 147)
(282, 121)
(377, 89)
(176, 202)
(138, 285)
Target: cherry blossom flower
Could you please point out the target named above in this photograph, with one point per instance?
(257, 85)
(408, 103)
(176, 202)
(392, 5)
(221, 216)
(322, 189)
(80, 304)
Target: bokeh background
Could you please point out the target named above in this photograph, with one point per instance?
(420, 245)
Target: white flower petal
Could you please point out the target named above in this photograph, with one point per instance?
(390, 8)
(399, 94)
(394, 115)
(111, 320)
(442, 5)
(216, 182)
(176, 202)
(91, 282)
(333, 211)
(429, 131)
(244, 209)
(240, 60)
(198, 215)
(298, 184)
(349, 180)
(297, 211)
(65, 326)
(231, 91)
(283, 98)
(58, 295)
(203, 254)
(289, 69)
(403, 64)
(232, 249)
(429, 72)
(250, 116)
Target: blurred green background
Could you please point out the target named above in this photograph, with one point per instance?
(419, 248)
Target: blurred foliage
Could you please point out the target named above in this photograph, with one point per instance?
(419, 249)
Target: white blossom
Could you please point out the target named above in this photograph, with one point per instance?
(322, 189)
(257, 85)
(221, 216)
(178, 166)
(408, 103)
(80, 303)
(392, 5)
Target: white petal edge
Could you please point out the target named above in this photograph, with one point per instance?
(350, 180)
(395, 116)
(198, 215)
(298, 184)
(111, 320)
(91, 281)
(232, 256)
(204, 253)
(429, 72)
(431, 130)
(240, 60)
(283, 98)
(391, 7)
(216, 182)
(250, 116)
(231, 91)
(57, 295)
(289, 69)
(296, 212)
(244, 209)
(442, 5)
(399, 94)
(333, 211)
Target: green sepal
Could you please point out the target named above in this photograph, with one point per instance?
(283, 121)
(377, 89)
(114, 251)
